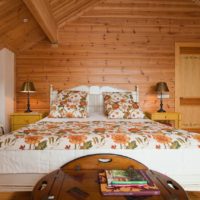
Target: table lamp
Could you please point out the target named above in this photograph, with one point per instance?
(28, 87)
(161, 87)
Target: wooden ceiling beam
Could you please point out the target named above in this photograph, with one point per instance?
(41, 11)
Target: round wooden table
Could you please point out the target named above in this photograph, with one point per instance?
(78, 180)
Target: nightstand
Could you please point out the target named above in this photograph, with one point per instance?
(19, 120)
(166, 116)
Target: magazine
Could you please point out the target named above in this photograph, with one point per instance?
(125, 177)
(135, 190)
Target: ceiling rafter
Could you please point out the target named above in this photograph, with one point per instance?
(41, 11)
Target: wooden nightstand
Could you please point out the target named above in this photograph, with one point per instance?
(166, 116)
(19, 120)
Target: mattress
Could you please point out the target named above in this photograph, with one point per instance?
(181, 164)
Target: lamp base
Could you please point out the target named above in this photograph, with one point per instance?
(28, 110)
(161, 105)
(161, 110)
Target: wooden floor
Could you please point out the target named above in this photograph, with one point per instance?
(15, 195)
(27, 196)
(194, 195)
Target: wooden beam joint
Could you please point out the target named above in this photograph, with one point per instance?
(41, 11)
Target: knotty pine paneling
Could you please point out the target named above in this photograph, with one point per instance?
(117, 43)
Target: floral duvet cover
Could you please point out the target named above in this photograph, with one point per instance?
(73, 135)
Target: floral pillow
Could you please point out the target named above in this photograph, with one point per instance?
(121, 106)
(72, 96)
(112, 97)
(70, 104)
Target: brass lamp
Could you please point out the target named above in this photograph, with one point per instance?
(161, 87)
(28, 87)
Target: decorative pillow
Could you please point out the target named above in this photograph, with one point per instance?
(70, 104)
(72, 96)
(116, 97)
(68, 110)
(121, 106)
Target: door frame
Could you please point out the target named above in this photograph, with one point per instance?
(178, 47)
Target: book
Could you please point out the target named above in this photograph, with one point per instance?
(125, 177)
(135, 190)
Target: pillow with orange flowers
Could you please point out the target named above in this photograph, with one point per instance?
(70, 104)
(120, 105)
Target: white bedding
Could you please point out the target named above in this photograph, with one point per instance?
(96, 116)
(183, 165)
(92, 117)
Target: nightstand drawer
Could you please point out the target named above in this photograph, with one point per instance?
(166, 116)
(19, 120)
(163, 116)
(25, 119)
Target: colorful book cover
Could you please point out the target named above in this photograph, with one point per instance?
(126, 177)
(143, 190)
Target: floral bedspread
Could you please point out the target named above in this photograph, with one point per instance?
(98, 134)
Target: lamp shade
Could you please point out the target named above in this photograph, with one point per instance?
(28, 86)
(162, 87)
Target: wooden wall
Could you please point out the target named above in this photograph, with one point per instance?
(119, 43)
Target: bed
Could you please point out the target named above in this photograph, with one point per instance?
(42, 147)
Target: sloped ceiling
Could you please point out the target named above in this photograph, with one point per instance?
(18, 35)
(67, 10)
(14, 33)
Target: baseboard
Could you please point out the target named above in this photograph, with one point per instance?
(26, 182)
(15, 188)
(18, 182)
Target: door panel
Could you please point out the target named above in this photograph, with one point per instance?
(189, 90)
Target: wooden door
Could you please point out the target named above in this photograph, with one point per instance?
(187, 83)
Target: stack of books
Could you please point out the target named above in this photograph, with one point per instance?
(127, 182)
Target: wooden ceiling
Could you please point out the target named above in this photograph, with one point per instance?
(18, 35)
(46, 17)
(68, 10)
(14, 33)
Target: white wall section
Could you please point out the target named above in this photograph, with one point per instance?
(7, 68)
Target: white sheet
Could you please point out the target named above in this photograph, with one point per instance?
(183, 165)
(95, 116)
